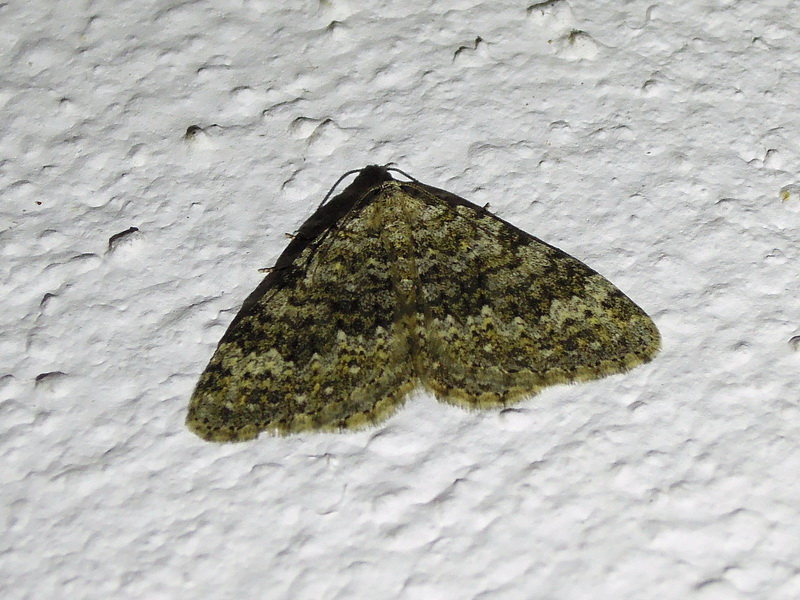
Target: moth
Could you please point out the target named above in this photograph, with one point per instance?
(392, 285)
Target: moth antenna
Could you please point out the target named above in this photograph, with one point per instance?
(335, 185)
(403, 173)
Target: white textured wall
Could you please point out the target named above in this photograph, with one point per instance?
(654, 146)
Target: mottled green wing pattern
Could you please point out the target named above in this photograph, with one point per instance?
(324, 348)
(394, 284)
(505, 314)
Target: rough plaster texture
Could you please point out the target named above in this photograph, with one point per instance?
(651, 141)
